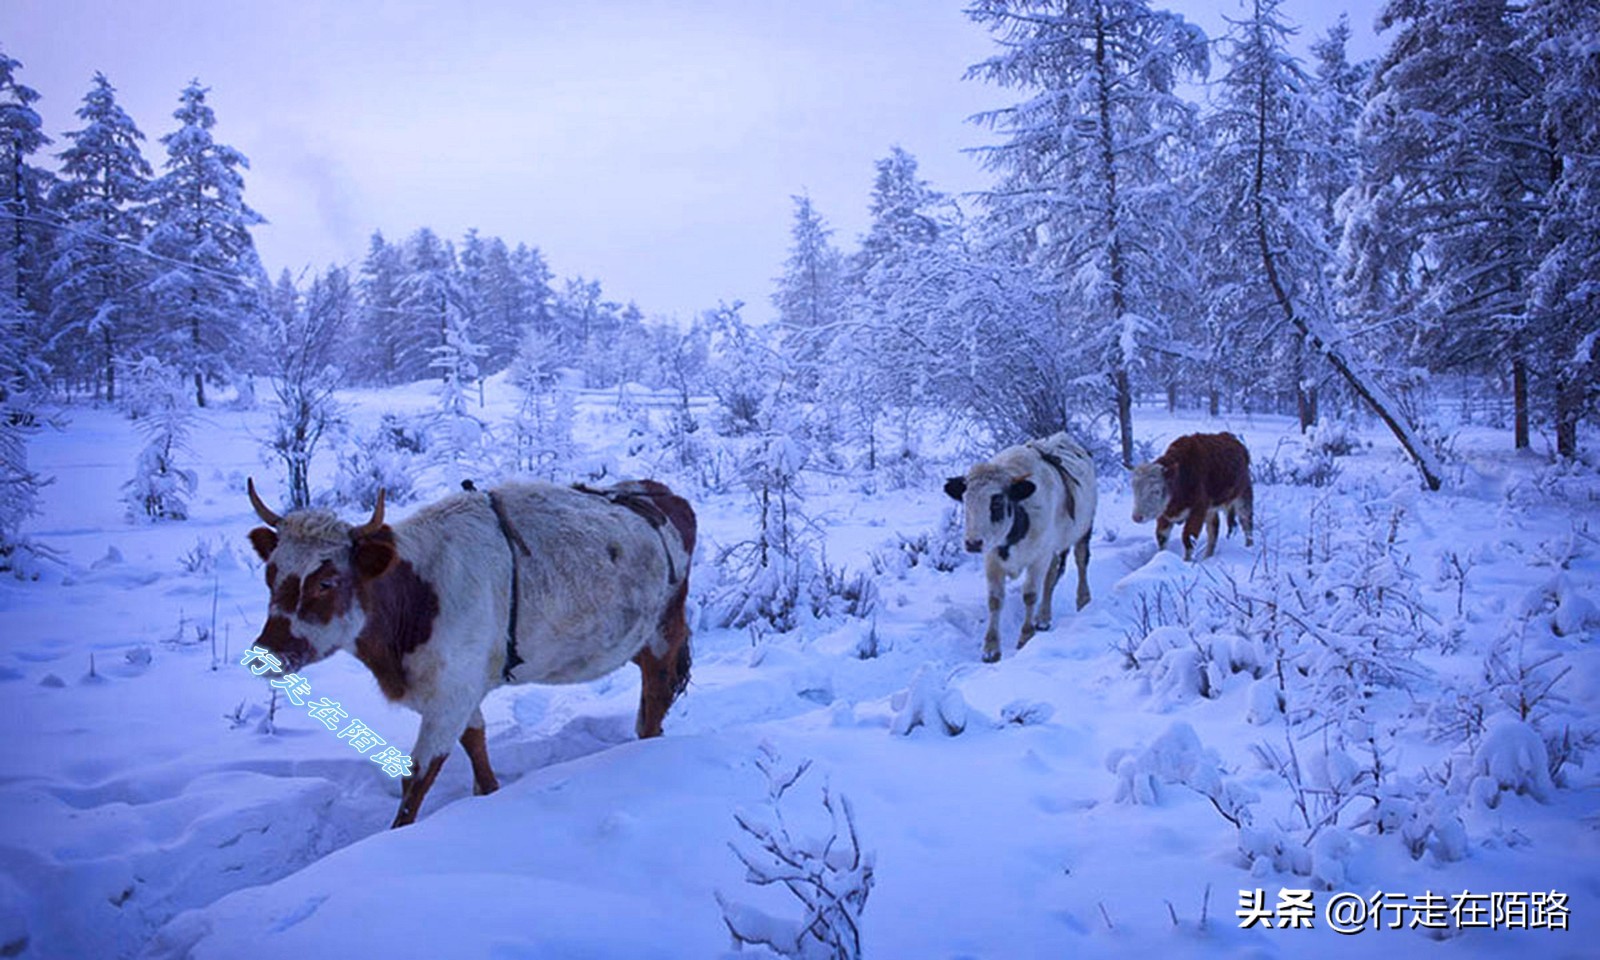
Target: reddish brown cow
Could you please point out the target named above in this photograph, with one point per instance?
(1199, 475)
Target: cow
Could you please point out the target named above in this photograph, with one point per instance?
(1026, 508)
(525, 583)
(1199, 476)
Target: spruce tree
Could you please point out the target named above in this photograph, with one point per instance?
(1085, 162)
(99, 273)
(201, 232)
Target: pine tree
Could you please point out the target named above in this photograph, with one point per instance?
(1262, 144)
(99, 274)
(809, 294)
(1563, 39)
(881, 360)
(431, 303)
(1441, 228)
(503, 304)
(24, 217)
(382, 322)
(201, 232)
(19, 484)
(1085, 162)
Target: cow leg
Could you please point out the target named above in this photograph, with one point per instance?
(1163, 531)
(1247, 516)
(412, 790)
(1043, 619)
(477, 747)
(664, 677)
(655, 694)
(1213, 523)
(1032, 579)
(996, 579)
(434, 740)
(1080, 553)
(1191, 531)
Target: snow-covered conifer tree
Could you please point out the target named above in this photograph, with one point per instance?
(1564, 39)
(431, 303)
(98, 275)
(1440, 230)
(160, 487)
(25, 235)
(201, 232)
(19, 484)
(542, 443)
(809, 294)
(1084, 164)
(1262, 158)
(381, 342)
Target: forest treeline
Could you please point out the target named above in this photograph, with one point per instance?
(1215, 221)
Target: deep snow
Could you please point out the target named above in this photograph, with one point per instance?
(144, 809)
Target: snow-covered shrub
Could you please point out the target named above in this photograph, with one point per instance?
(1511, 759)
(381, 460)
(770, 575)
(19, 491)
(940, 548)
(1177, 758)
(1302, 465)
(1336, 438)
(207, 556)
(836, 592)
(160, 488)
(825, 870)
(929, 701)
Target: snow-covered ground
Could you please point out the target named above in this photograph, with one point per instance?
(1082, 809)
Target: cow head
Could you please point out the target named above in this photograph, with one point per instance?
(990, 496)
(1151, 491)
(315, 563)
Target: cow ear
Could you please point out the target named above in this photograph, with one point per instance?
(372, 557)
(1020, 489)
(956, 487)
(265, 540)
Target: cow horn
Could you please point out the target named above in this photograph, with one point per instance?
(371, 526)
(267, 516)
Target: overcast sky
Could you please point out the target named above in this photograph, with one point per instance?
(653, 146)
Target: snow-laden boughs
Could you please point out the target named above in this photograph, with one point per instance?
(1085, 165)
(161, 487)
(203, 289)
(302, 335)
(821, 865)
(98, 275)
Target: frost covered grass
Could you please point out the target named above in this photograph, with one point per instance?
(1393, 692)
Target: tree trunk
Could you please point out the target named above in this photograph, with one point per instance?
(1125, 415)
(1366, 387)
(1172, 396)
(1519, 400)
(1303, 402)
(111, 366)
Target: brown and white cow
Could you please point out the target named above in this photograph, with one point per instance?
(1025, 508)
(1199, 475)
(589, 578)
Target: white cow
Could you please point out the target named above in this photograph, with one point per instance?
(527, 583)
(1025, 508)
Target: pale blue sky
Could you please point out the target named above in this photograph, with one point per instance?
(651, 145)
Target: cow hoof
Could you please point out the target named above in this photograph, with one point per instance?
(991, 654)
(1043, 625)
(1083, 601)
